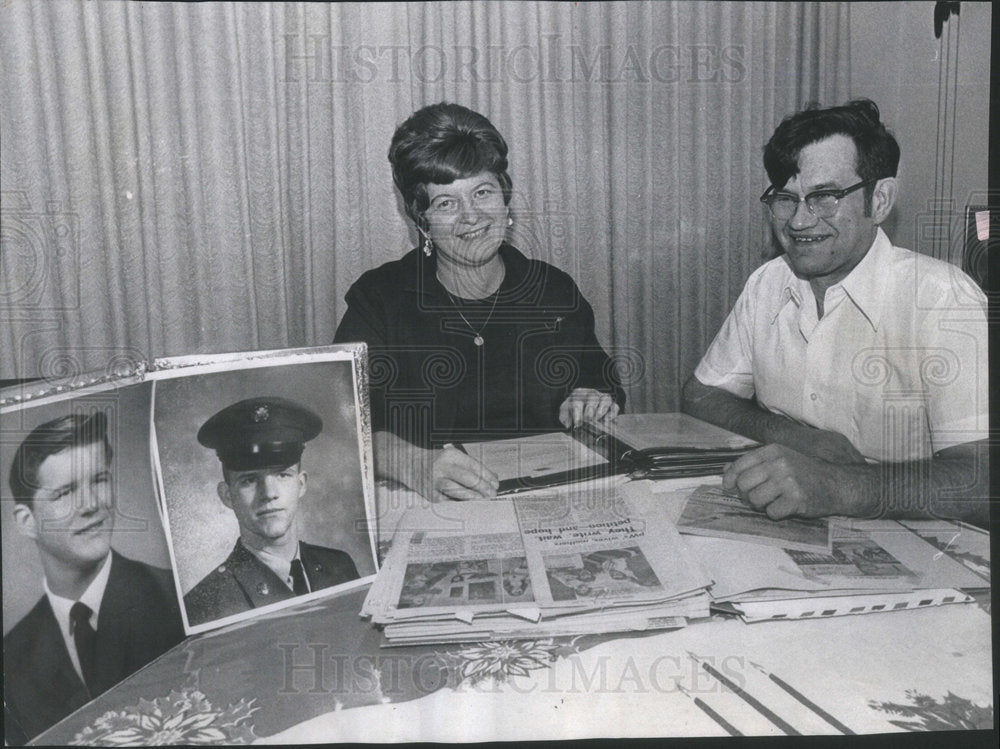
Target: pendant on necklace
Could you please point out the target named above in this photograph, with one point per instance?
(478, 340)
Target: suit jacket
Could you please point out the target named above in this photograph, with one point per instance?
(243, 582)
(139, 619)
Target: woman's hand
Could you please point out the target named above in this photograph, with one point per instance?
(455, 475)
(587, 404)
(434, 474)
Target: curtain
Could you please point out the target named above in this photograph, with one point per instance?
(193, 178)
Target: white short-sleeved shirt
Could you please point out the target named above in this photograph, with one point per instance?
(897, 364)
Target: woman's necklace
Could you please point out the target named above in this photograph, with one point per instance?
(478, 340)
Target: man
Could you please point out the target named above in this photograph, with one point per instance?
(861, 365)
(260, 443)
(102, 616)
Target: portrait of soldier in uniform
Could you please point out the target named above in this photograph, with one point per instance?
(259, 443)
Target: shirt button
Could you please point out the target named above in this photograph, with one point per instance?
(813, 396)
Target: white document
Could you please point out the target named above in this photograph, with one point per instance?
(533, 456)
(644, 431)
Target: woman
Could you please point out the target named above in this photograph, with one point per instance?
(468, 339)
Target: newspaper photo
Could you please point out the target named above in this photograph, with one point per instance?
(465, 582)
(573, 551)
(711, 511)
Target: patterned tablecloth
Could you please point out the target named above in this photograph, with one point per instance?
(317, 673)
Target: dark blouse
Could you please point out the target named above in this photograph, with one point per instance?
(431, 384)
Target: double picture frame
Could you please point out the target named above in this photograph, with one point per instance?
(167, 490)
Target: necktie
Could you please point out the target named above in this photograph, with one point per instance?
(299, 584)
(86, 640)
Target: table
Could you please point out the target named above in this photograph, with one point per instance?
(317, 673)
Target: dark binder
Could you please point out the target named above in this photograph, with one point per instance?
(666, 462)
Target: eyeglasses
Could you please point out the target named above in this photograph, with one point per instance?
(821, 203)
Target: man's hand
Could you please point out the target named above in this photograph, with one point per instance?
(455, 475)
(783, 482)
(587, 404)
(826, 445)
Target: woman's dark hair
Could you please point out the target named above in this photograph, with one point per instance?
(48, 439)
(877, 149)
(441, 143)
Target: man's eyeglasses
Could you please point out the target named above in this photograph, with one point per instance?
(821, 203)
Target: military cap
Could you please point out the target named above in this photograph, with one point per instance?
(260, 432)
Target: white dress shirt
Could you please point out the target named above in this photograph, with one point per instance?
(280, 566)
(92, 597)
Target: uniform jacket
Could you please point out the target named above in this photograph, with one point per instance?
(243, 582)
(139, 619)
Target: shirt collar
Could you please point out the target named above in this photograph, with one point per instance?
(793, 291)
(92, 597)
(278, 565)
(863, 285)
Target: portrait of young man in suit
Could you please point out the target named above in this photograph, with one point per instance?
(260, 442)
(102, 616)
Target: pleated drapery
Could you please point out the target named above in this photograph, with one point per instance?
(191, 178)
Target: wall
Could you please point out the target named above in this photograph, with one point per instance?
(897, 62)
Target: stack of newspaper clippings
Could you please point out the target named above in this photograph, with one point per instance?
(577, 561)
(797, 568)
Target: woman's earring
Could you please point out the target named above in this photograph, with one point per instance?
(428, 247)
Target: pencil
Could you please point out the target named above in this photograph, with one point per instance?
(729, 727)
(748, 698)
(805, 700)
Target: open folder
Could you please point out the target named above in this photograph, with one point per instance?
(672, 445)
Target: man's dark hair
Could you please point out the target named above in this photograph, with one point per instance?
(877, 149)
(439, 144)
(48, 439)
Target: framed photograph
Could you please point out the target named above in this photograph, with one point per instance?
(263, 462)
(88, 594)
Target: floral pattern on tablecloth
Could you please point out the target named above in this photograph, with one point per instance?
(182, 717)
(499, 661)
(928, 714)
